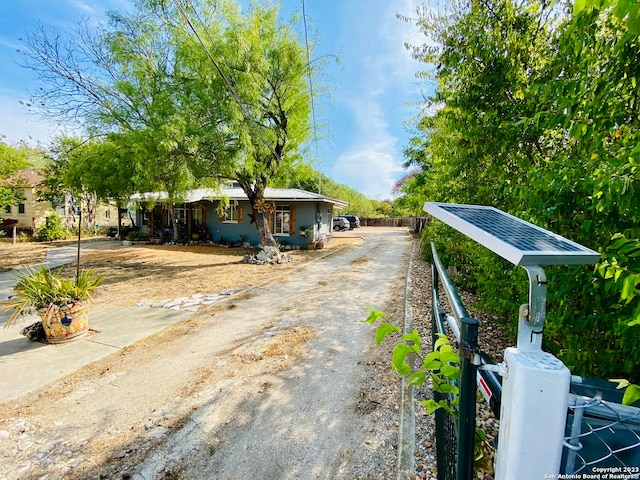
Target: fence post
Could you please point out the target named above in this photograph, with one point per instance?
(467, 405)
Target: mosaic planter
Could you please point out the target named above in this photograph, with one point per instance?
(62, 324)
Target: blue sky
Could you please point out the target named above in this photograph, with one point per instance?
(372, 87)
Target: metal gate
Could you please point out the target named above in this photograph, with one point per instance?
(551, 423)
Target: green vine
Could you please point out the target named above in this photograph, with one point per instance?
(441, 366)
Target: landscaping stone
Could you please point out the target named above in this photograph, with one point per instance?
(268, 255)
(189, 304)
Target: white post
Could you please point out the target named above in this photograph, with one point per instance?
(535, 395)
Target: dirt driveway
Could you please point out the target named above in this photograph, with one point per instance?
(279, 382)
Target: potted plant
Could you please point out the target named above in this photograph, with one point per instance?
(60, 302)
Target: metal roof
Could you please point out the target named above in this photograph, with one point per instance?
(518, 241)
(236, 193)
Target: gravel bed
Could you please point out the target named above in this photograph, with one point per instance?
(493, 339)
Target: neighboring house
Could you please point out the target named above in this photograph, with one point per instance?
(31, 213)
(204, 217)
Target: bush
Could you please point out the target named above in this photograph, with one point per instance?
(52, 229)
(135, 236)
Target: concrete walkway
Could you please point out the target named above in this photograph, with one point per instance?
(54, 258)
(26, 366)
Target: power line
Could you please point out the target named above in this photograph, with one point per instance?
(313, 108)
(219, 70)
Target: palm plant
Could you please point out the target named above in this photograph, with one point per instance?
(41, 289)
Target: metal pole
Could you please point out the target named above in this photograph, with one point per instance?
(79, 235)
(467, 405)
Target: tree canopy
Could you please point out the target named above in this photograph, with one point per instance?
(13, 160)
(185, 95)
(536, 112)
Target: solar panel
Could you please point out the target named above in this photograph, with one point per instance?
(516, 240)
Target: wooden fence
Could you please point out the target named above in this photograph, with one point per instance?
(416, 224)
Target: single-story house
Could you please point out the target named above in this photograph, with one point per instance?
(295, 216)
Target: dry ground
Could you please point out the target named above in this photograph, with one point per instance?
(20, 254)
(157, 272)
(111, 414)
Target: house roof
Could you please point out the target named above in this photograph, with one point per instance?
(236, 193)
(28, 177)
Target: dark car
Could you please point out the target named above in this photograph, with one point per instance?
(354, 221)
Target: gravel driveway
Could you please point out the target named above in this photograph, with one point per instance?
(278, 382)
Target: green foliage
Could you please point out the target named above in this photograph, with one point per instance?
(631, 393)
(620, 265)
(441, 367)
(179, 102)
(536, 113)
(305, 177)
(52, 229)
(138, 236)
(38, 289)
(12, 161)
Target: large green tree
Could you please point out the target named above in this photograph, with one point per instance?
(536, 113)
(186, 92)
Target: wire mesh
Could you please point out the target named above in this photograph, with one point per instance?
(602, 436)
(446, 442)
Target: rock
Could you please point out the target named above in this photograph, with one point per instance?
(268, 255)
(35, 332)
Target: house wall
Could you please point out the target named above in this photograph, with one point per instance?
(305, 216)
(107, 216)
(34, 212)
(314, 215)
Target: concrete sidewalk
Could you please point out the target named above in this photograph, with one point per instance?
(54, 258)
(26, 366)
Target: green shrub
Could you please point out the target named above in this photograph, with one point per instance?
(136, 236)
(52, 229)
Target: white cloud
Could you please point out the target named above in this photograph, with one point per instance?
(83, 7)
(381, 80)
(370, 167)
(371, 162)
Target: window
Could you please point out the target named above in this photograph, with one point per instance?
(282, 220)
(7, 209)
(180, 214)
(21, 209)
(232, 213)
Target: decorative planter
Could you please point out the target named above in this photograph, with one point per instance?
(65, 323)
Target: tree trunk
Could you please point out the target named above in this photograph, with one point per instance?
(262, 224)
(176, 226)
(255, 193)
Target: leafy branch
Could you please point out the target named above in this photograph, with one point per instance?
(441, 367)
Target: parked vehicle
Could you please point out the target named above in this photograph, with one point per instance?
(340, 224)
(354, 222)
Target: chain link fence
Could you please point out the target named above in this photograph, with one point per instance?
(602, 437)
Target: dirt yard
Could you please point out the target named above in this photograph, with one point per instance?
(289, 381)
(157, 272)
